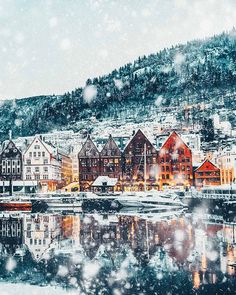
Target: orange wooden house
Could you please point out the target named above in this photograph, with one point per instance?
(207, 174)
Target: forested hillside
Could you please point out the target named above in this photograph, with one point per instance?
(199, 71)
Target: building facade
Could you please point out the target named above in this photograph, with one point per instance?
(66, 168)
(139, 154)
(226, 160)
(89, 164)
(207, 174)
(11, 166)
(175, 163)
(110, 161)
(43, 164)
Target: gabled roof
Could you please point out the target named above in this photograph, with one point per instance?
(207, 165)
(139, 132)
(48, 147)
(174, 135)
(110, 145)
(89, 149)
(10, 144)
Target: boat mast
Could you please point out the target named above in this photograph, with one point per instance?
(145, 166)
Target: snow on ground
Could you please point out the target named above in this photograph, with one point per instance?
(22, 289)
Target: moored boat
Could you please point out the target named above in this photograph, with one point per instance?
(151, 199)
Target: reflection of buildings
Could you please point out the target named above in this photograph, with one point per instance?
(70, 228)
(11, 233)
(204, 248)
(39, 232)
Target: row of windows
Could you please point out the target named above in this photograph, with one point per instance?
(35, 154)
(208, 173)
(12, 170)
(175, 168)
(176, 176)
(28, 161)
(37, 241)
(36, 169)
(36, 176)
(170, 160)
(10, 162)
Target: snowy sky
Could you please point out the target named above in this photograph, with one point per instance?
(53, 46)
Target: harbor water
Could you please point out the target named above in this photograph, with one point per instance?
(133, 252)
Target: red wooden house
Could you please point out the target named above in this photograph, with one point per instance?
(175, 162)
(207, 174)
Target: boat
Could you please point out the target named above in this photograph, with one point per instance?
(151, 199)
(59, 203)
(15, 204)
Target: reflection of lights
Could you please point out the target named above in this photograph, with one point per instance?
(196, 280)
(204, 262)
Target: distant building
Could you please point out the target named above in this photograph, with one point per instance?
(66, 167)
(226, 160)
(175, 163)
(75, 166)
(207, 174)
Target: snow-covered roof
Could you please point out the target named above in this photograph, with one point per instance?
(105, 181)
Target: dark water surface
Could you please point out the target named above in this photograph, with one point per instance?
(125, 253)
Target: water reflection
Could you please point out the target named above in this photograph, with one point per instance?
(153, 253)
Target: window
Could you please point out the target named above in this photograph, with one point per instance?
(45, 176)
(36, 147)
(39, 154)
(45, 169)
(163, 176)
(30, 154)
(28, 177)
(28, 169)
(167, 176)
(28, 162)
(34, 154)
(37, 176)
(43, 154)
(45, 161)
(36, 169)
